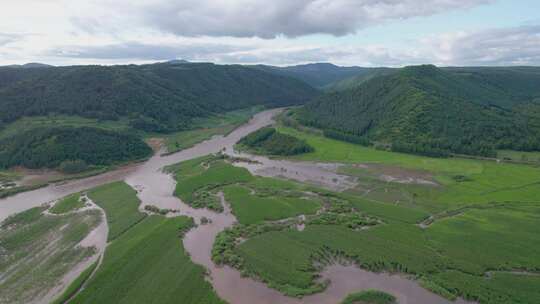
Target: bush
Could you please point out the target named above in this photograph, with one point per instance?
(370, 297)
(269, 141)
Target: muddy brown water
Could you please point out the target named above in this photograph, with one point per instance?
(156, 188)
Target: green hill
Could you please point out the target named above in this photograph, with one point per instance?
(428, 110)
(157, 97)
(359, 78)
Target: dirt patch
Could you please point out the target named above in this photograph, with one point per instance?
(399, 174)
(37, 176)
(155, 143)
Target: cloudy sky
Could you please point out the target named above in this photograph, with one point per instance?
(278, 32)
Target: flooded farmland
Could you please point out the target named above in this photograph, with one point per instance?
(154, 187)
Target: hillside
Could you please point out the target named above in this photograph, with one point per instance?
(158, 97)
(356, 80)
(427, 110)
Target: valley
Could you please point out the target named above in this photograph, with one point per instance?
(299, 212)
(270, 152)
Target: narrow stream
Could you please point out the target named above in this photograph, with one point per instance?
(155, 187)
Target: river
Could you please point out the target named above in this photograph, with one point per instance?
(156, 188)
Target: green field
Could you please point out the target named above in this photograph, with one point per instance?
(121, 206)
(485, 217)
(29, 265)
(253, 199)
(145, 261)
(284, 259)
(198, 178)
(67, 204)
(147, 264)
(486, 181)
(370, 297)
(254, 207)
(519, 156)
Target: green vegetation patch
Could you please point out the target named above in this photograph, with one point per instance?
(293, 273)
(446, 255)
(479, 182)
(498, 288)
(147, 264)
(68, 203)
(121, 205)
(52, 147)
(387, 211)
(287, 259)
(519, 156)
(197, 178)
(249, 206)
(370, 297)
(269, 141)
(508, 231)
(26, 124)
(38, 250)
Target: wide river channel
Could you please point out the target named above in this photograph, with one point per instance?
(156, 187)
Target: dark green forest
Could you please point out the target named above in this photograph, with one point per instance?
(269, 141)
(160, 97)
(432, 111)
(71, 149)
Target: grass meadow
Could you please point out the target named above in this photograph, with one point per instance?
(67, 204)
(147, 264)
(249, 207)
(482, 237)
(145, 261)
(121, 206)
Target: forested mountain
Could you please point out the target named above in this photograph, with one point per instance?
(319, 75)
(156, 97)
(428, 110)
(50, 147)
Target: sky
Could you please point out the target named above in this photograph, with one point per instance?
(277, 32)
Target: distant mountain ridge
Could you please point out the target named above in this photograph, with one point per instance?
(158, 97)
(30, 65)
(432, 110)
(318, 75)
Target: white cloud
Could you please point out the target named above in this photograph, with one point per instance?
(291, 18)
(246, 31)
(507, 46)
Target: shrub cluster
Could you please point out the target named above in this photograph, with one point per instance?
(270, 141)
